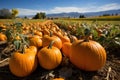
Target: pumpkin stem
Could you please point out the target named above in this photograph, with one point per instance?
(87, 34)
(50, 45)
(23, 49)
(51, 33)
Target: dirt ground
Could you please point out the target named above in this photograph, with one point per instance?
(65, 70)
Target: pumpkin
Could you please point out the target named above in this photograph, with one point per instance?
(36, 41)
(49, 57)
(64, 38)
(47, 39)
(73, 38)
(66, 48)
(23, 64)
(58, 79)
(38, 33)
(17, 38)
(88, 55)
(3, 37)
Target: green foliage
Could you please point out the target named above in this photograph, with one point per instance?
(40, 15)
(81, 16)
(13, 31)
(14, 13)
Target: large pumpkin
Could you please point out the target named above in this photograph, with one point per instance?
(21, 64)
(49, 57)
(87, 55)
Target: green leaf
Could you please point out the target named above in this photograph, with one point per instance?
(17, 44)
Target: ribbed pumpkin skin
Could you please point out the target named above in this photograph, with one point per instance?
(22, 65)
(47, 39)
(36, 41)
(66, 48)
(89, 56)
(49, 58)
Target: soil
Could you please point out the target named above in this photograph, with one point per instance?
(66, 70)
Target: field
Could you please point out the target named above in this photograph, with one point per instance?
(105, 31)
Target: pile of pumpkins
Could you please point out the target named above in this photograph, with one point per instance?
(47, 47)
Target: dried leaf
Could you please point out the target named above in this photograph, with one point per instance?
(116, 42)
(65, 72)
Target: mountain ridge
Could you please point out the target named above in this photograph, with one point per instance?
(77, 14)
(87, 14)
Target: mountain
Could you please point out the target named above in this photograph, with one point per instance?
(88, 14)
(76, 14)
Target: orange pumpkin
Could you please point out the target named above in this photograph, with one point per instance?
(38, 33)
(36, 41)
(87, 55)
(23, 64)
(3, 37)
(49, 57)
(66, 48)
(47, 39)
(64, 38)
(58, 79)
(73, 38)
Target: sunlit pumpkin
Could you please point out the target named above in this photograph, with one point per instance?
(49, 57)
(47, 39)
(23, 64)
(64, 38)
(58, 79)
(87, 55)
(66, 48)
(38, 33)
(36, 41)
(3, 37)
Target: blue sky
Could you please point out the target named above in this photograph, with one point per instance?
(31, 7)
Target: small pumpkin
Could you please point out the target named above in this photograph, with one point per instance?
(39, 33)
(66, 48)
(49, 57)
(36, 41)
(64, 38)
(23, 64)
(88, 55)
(47, 39)
(3, 37)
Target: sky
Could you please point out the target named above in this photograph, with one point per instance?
(31, 7)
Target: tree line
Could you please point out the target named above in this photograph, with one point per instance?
(8, 14)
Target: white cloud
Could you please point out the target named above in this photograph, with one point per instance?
(86, 9)
(71, 9)
(109, 6)
(28, 11)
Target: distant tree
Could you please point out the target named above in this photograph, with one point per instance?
(14, 13)
(5, 13)
(106, 14)
(37, 16)
(81, 16)
(25, 17)
(116, 14)
(112, 14)
(40, 15)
